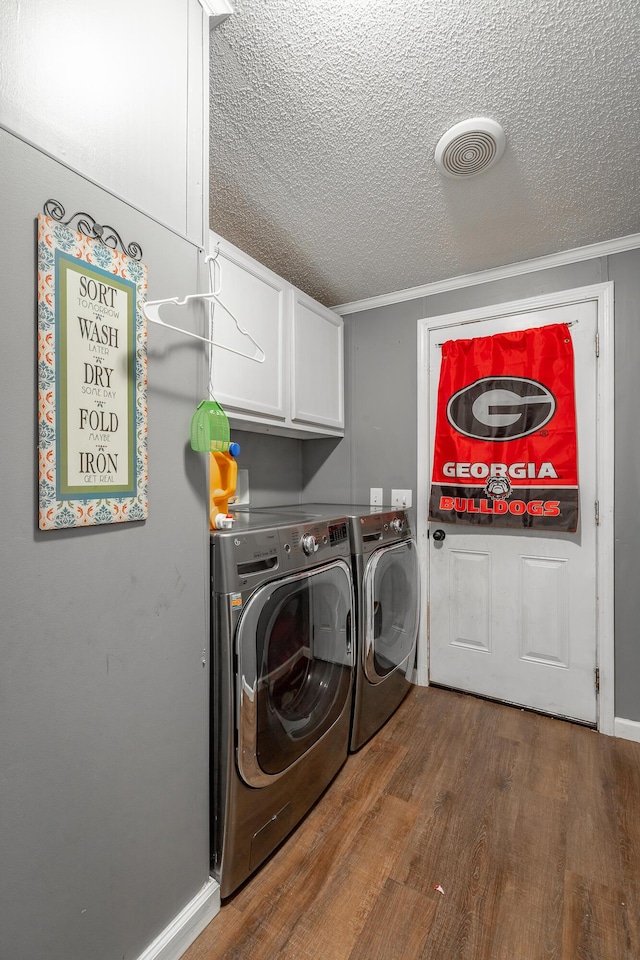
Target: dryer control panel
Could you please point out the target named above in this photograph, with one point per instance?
(373, 530)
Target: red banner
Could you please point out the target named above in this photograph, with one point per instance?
(505, 447)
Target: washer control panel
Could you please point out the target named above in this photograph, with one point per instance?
(313, 541)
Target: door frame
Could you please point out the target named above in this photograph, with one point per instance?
(602, 294)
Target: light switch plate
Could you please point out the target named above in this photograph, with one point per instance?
(375, 497)
(401, 498)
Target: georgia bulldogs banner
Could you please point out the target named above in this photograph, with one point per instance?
(505, 445)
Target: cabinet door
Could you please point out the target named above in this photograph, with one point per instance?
(256, 297)
(317, 389)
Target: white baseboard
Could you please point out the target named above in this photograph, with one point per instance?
(627, 729)
(189, 923)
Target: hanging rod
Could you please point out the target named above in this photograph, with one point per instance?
(572, 323)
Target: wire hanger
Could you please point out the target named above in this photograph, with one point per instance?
(151, 310)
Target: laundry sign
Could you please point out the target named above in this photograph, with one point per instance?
(92, 408)
(505, 448)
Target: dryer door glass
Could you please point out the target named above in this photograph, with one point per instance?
(295, 668)
(391, 610)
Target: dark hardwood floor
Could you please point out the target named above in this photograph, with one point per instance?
(530, 825)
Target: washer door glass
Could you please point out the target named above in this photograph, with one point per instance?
(391, 610)
(295, 668)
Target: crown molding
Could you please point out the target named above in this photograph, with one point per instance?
(217, 11)
(605, 249)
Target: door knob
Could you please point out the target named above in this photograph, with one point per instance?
(439, 535)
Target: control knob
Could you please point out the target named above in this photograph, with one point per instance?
(398, 525)
(309, 544)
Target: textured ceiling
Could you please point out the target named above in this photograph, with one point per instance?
(325, 117)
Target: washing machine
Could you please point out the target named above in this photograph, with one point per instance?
(386, 574)
(282, 672)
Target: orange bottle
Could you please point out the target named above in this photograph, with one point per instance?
(223, 476)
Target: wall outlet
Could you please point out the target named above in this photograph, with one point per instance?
(375, 497)
(401, 498)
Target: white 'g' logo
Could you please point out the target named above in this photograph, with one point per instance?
(501, 408)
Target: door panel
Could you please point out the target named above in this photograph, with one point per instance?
(513, 613)
(470, 580)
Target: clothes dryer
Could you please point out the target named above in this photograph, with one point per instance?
(281, 680)
(387, 589)
(387, 583)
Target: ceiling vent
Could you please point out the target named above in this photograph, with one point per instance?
(470, 147)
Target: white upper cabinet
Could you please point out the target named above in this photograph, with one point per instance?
(257, 299)
(317, 383)
(298, 390)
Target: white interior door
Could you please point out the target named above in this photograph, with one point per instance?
(513, 613)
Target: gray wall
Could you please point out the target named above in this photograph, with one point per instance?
(382, 397)
(624, 270)
(103, 695)
(274, 464)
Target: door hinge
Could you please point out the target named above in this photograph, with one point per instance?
(597, 344)
(597, 673)
(597, 511)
